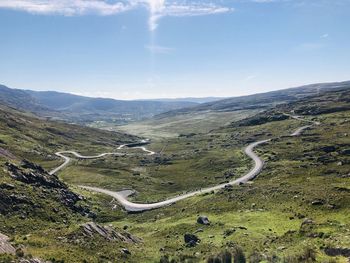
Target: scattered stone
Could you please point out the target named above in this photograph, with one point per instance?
(228, 187)
(328, 149)
(346, 152)
(203, 220)
(317, 202)
(125, 251)
(229, 232)
(7, 186)
(307, 221)
(198, 230)
(191, 240)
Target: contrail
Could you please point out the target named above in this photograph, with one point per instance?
(155, 7)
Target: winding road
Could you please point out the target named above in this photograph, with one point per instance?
(121, 196)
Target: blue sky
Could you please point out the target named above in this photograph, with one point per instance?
(131, 49)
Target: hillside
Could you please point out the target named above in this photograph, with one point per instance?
(259, 101)
(80, 109)
(31, 199)
(296, 210)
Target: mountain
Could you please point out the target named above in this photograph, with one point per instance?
(188, 99)
(259, 101)
(80, 109)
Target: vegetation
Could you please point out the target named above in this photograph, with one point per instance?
(295, 211)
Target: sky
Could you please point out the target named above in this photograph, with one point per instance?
(142, 49)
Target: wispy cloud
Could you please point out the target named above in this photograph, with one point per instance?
(159, 49)
(157, 8)
(310, 46)
(325, 36)
(170, 8)
(67, 7)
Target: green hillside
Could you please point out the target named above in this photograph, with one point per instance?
(295, 211)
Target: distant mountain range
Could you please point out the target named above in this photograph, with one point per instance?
(188, 99)
(80, 109)
(259, 101)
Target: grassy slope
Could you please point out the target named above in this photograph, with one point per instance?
(273, 208)
(35, 210)
(174, 126)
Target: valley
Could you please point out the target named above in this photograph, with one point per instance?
(295, 210)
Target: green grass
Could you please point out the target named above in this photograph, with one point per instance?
(174, 126)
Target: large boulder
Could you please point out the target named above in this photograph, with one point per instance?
(191, 240)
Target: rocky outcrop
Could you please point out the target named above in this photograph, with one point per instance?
(345, 252)
(5, 245)
(31, 173)
(50, 185)
(92, 229)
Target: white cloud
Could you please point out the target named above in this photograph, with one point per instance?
(184, 9)
(157, 8)
(66, 7)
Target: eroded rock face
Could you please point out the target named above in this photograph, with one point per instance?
(30, 173)
(91, 229)
(5, 245)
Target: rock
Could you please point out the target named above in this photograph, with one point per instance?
(328, 149)
(229, 232)
(191, 240)
(125, 251)
(346, 152)
(317, 202)
(35, 175)
(228, 187)
(199, 230)
(203, 220)
(345, 252)
(7, 186)
(5, 245)
(33, 260)
(91, 229)
(307, 221)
